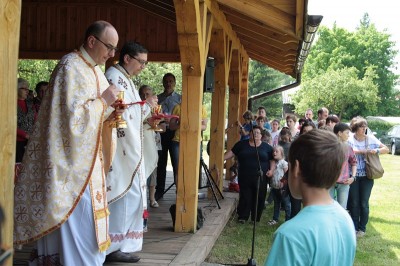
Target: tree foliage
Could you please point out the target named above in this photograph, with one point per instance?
(341, 91)
(40, 70)
(35, 71)
(263, 79)
(365, 49)
(153, 73)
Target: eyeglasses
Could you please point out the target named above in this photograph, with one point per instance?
(24, 89)
(109, 47)
(141, 62)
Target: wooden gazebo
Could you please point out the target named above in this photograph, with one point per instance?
(275, 33)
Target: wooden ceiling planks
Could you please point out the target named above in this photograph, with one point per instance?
(264, 12)
(268, 29)
(257, 35)
(50, 29)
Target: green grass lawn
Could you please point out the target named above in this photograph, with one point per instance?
(380, 246)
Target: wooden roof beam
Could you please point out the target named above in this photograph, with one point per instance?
(265, 13)
(220, 18)
(249, 34)
(300, 9)
(236, 18)
(283, 56)
(286, 69)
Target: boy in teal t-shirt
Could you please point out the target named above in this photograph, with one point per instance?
(323, 232)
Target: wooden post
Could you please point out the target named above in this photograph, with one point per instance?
(10, 15)
(221, 50)
(244, 88)
(234, 81)
(194, 26)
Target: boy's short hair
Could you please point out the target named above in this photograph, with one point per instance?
(307, 123)
(319, 146)
(340, 127)
(332, 118)
(259, 118)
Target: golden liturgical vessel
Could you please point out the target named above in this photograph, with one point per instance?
(119, 122)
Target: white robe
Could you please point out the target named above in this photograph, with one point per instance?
(126, 181)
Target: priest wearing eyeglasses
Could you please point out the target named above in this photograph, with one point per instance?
(60, 195)
(126, 181)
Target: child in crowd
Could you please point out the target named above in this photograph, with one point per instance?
(331, 121)
(285, 138)
(275, 132)
(234, 184)
(322, 233)
(278, 184)
(245, 129)
(265, 134)
(260, 121)
(284, 142)
(307, 126)
(266, 137)
(342, 186)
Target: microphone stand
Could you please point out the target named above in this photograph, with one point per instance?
(251, 261)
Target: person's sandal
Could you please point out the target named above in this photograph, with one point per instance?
(154, 204)
(272, 222)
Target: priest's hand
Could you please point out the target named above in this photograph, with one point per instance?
(119, 110)
(110, 94)
(153, 122)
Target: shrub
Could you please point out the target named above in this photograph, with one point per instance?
(379, 127)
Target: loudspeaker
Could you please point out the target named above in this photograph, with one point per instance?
(209, 75)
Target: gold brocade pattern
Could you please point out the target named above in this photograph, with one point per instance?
(64, 153)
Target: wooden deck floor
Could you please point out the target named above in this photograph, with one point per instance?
(162, 246)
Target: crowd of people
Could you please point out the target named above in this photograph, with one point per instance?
(81, 191)
(267, 165)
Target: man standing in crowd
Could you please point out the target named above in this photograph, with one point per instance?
(126, 181)
(309, 114)
(168, 99)
(60, 197)
(175, 125)
(322, 114)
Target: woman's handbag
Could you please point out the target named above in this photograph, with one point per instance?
(373, 164)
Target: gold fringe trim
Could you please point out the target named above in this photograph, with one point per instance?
(104, 246)
(100, 214)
